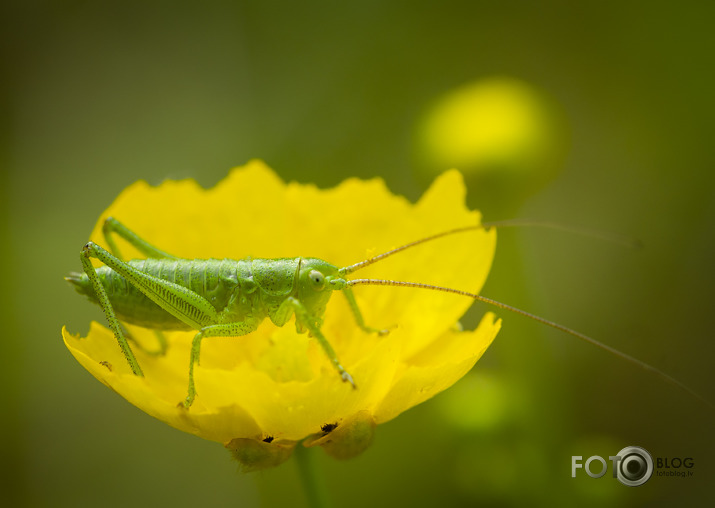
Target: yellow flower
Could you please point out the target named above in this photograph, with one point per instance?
(494, 124)
(275, 387)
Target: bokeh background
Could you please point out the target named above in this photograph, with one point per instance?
(616, 133)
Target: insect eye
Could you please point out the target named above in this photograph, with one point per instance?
(317, 279)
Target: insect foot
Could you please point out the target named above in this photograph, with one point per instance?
(377, 331)
(186, 403)
(347, 378)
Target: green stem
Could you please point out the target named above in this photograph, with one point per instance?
(313, 483)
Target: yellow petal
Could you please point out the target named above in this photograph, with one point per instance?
(431, 372)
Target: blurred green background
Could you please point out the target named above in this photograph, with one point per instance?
(96, 95)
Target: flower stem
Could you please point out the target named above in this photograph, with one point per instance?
(313, 483)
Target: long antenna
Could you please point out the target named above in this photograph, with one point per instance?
(579, 335)
(606, 236)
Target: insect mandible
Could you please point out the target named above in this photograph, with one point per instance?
(230, 298)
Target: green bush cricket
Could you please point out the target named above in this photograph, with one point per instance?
(230, 298)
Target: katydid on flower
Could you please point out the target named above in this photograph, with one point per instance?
(231, 298)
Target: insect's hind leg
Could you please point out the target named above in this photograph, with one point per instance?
(112, 225)
(181, 302)
(106, 305)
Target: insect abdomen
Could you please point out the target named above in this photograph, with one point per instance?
(214, 279)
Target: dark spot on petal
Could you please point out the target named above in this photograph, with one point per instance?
(327, 428)
(269, 439)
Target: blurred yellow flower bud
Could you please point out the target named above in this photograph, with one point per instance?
(502, 133)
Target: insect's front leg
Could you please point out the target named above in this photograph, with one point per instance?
(350, 297)
(309, 321)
